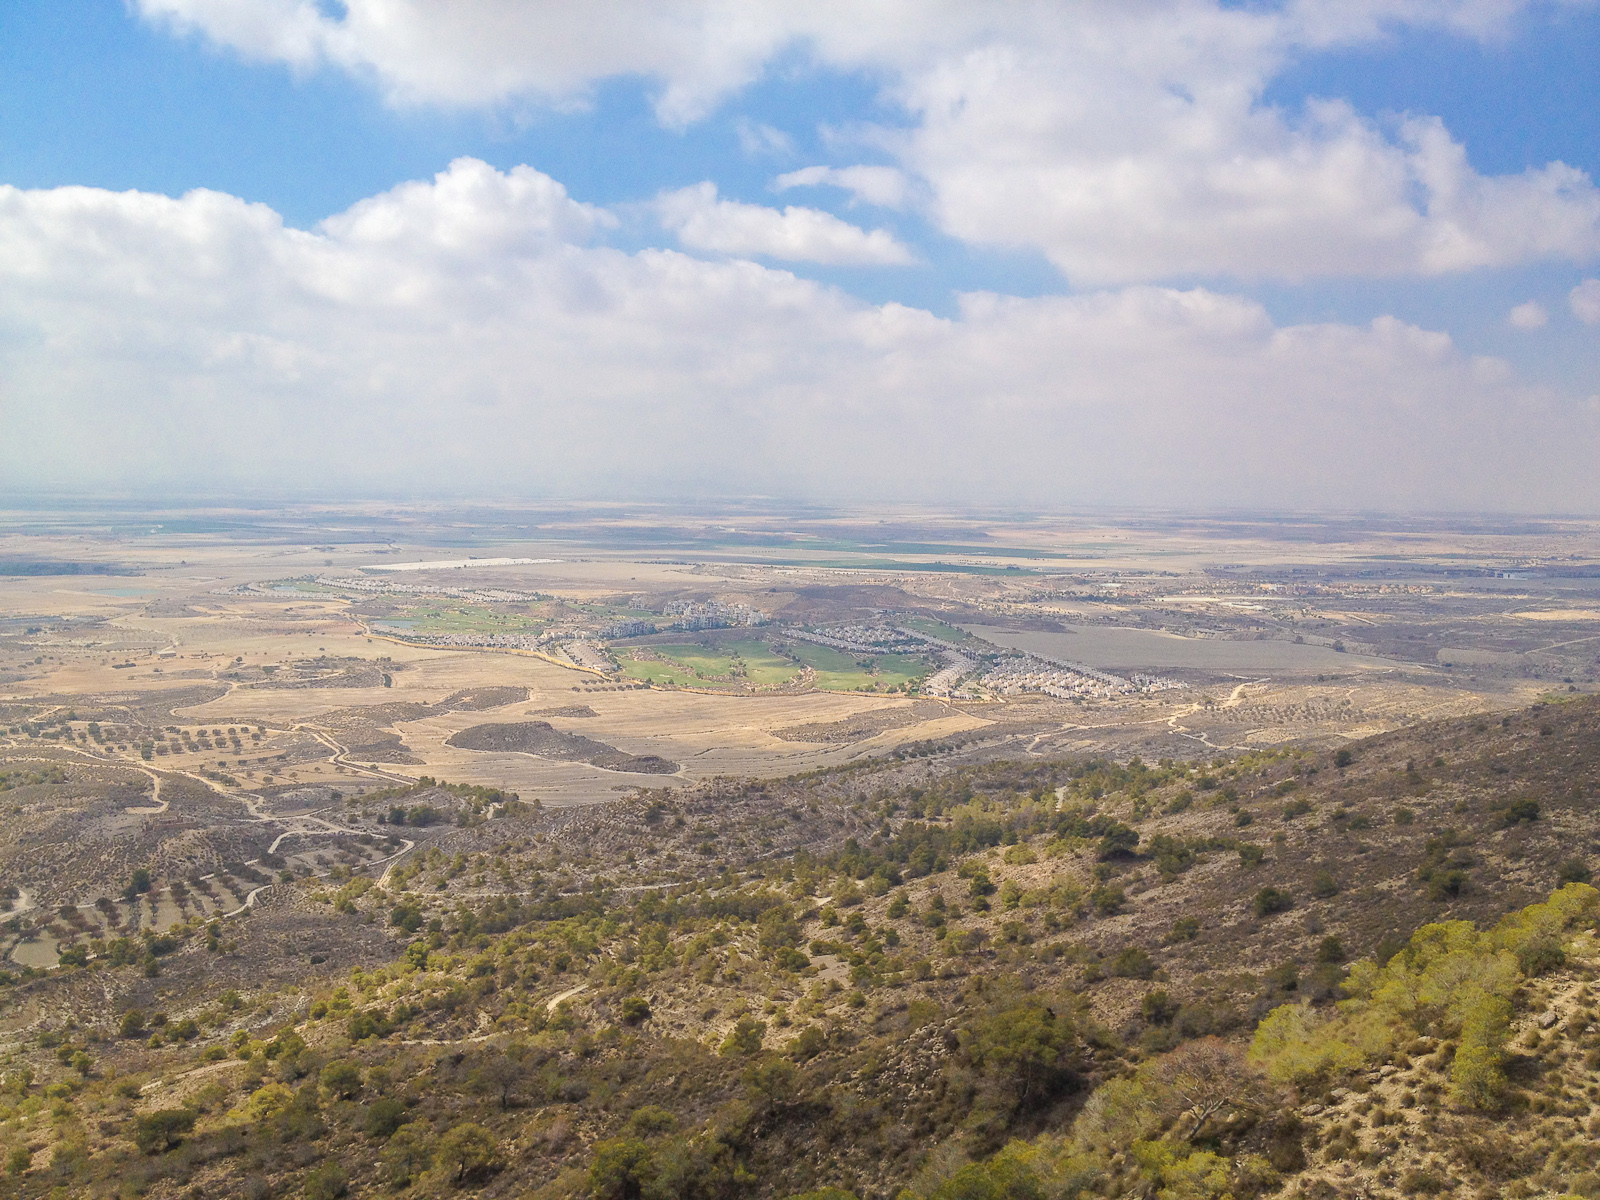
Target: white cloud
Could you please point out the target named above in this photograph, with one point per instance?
(476, 52)
(884, 187)
(703, 222)
(759, 140)
(1585, 301)
(1126, 142)
(467, 334)
(1124, 161)
(1531, 315)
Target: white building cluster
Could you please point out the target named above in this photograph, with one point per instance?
(942, 682)
(1066, 681)
(695, 615)
(866, 639)
(468, 641)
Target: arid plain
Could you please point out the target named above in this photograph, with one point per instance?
(229, 687)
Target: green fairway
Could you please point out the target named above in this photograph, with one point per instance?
(900, 669)
(835, 671)
(753, 663)
(763, 666)
(691, 666)
(463, 619)
(650, 671)
(736, 664)
(936, 629)
(840, 672)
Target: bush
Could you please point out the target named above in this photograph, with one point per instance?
(621, 1169)
(158, 1132)
(407, 1155)
(635, 1010)
(327, 1182)
(1324, 886)
(1185, 929)
(1343, 758)
(1331, 950)
(1158, 1008)
(744, 1039)
(651, 1119)
(1519, 811)
(384, 1116)
(1575, 870)
(465, 1151)
(342, 1077)
(1118, 842)
(1133, 963)
(364, 1025)
(1108, 900)
(1270, 900)
(810, 1043)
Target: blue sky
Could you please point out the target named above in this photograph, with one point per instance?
(165, 96)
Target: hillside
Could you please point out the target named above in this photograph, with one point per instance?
(1008, 978)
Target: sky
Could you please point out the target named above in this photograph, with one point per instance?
(1307, 254)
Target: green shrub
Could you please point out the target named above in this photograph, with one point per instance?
(383, 1117)
(342, 1077)
(1133, 963)
(1108, 901)
(18, 1159)
(1118, 841)
(158, 1132)
(327, 1182)
(1519, 811)
(465, 1151)
(1575, 870)
(745, 1038)
(1270, 900)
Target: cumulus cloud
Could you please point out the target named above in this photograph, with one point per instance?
(474, 52)
(884, 187)
(1531, 315)
(1585, 301)
(1126, 142)
(704, 222)
(473, 333)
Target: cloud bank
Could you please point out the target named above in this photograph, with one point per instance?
(475, 333)
(703, 222)
(1126, 142)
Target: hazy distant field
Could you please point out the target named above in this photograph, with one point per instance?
(1126, 649)
(232, 626)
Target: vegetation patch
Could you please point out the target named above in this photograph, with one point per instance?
(541, 738)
